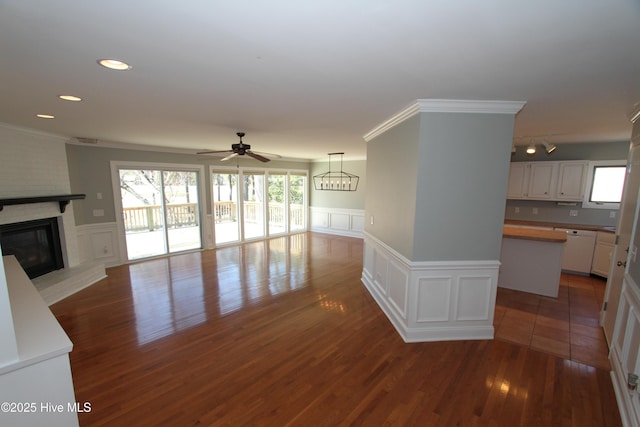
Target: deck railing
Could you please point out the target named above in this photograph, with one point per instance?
(226, 211)
(149, 218)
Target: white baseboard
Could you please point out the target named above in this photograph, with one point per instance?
(431, 301)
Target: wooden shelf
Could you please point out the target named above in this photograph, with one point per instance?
(63, 200)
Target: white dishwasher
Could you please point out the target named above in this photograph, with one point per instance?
(578, 251)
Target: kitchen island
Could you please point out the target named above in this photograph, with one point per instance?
(531, 260)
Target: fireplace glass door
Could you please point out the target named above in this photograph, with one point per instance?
(161, 211)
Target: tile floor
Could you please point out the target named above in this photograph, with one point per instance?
(567, 326)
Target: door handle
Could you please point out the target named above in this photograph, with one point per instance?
(621, 263)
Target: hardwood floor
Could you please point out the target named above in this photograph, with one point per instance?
(282, 332)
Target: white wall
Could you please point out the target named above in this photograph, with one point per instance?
(35, 164)
(31, 164)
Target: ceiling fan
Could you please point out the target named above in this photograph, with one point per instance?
(240, 149)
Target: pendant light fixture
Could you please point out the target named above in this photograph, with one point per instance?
(336, 180)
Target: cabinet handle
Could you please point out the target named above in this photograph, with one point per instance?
(621, 264)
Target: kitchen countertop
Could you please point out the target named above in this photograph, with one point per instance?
(534, 234)
(560, 225)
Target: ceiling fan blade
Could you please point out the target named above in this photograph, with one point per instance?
(214, 151)
(257, 156)
(230, 156)
(270, 156)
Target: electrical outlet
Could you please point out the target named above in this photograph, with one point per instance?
(573, 212)
(517, 209)
(534, 211)
(612, 214)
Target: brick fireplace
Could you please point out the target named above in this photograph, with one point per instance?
(34, 164)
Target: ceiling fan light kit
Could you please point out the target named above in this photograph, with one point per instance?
(241, 149)
(336, 180)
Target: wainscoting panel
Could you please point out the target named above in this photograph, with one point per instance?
(380, 273)
(99, 243)
(339, 221)
(398, 285)
(343, 222)
(434, 299)
(624, 355)
(431, 301)
(474, 298)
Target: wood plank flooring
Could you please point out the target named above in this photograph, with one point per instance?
(283, 333)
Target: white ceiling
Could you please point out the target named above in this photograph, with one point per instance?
(305, 78)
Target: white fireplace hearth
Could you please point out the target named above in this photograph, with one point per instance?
(60, 284)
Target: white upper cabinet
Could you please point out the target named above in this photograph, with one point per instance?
(542, 178)
(571, 180)
(547, 180)
(518, 180)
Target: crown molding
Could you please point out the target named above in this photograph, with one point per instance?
(394, 120)
(34, 132)
(446, 106)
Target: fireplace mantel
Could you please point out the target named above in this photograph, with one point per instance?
(63, 200)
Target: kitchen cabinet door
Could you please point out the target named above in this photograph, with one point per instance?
(602, 254)
(571, 180)
(518, 180)
(542, 176)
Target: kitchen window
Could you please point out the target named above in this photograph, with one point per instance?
(605, 181)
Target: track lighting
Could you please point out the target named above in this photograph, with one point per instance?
(549, 147)
(531, 149)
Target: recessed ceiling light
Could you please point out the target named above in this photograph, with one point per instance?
(114, 64)
(45, 116)
(70, 98)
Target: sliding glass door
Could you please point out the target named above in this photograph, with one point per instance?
(297, 197)
(253, 204)
(182, 215)
(225, 206)
(160, 211)
(277, 213)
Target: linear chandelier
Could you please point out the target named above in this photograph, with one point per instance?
(336, 180)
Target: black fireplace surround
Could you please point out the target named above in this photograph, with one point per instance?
(35, 244)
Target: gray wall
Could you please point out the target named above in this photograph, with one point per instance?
(392, 181)
(90, 173)
(437, 184)
(464, 168)
(550, 211)
(339, 199)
